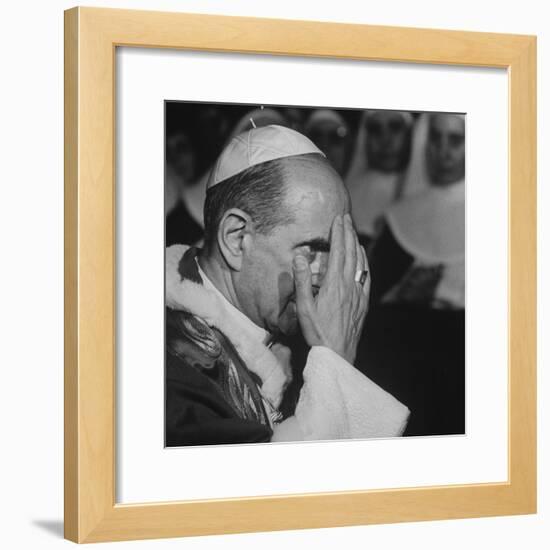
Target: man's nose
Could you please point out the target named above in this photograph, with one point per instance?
(319, 268)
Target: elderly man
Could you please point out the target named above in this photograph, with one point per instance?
(280, 257)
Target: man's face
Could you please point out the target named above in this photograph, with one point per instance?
(388, 141)
(265, 284)
(446, 149)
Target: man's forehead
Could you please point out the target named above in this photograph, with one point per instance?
(313, 216)
(311, 173)
(315, 194)
(316, 203)
(308, 197)
(301, 233)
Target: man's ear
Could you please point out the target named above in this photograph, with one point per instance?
(234, 233)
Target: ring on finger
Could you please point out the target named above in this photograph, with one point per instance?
(361, 276)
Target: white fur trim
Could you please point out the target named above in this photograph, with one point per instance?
(194, 298)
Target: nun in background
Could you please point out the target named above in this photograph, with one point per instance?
(180, 177)
(376, 175)
(413, 342)
(330, 132)
(185, 192)
(418, 259)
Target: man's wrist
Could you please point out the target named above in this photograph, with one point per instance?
(323, 349)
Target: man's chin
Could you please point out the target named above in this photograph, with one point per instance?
(292, 330)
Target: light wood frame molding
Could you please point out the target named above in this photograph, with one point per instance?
(91, 38)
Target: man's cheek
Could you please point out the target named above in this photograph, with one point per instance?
(285, 287)
(288, 320)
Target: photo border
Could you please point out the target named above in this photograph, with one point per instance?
(91, 38)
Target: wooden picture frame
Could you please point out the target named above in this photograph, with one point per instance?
(91, 38)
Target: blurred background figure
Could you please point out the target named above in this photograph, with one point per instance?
(180, 176)
(295, 117)
(419, 256)
(211, 125)
(375, 178)
(257, 118)
(180, 166)
(185, 220)
(330, 132)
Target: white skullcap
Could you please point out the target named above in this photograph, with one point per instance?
(257, 146)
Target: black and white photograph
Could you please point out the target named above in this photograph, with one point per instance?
(314, 273)
(287, 265)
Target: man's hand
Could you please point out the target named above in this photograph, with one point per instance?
(335, 317)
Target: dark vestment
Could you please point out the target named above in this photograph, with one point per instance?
(211, 396)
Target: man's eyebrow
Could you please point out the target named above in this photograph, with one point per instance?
(318, 244)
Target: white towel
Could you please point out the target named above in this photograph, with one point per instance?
(339, 402)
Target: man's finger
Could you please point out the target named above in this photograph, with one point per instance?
(350, 260)
(366, 286)
(336, 255)
(302, 279)
(361, 259)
